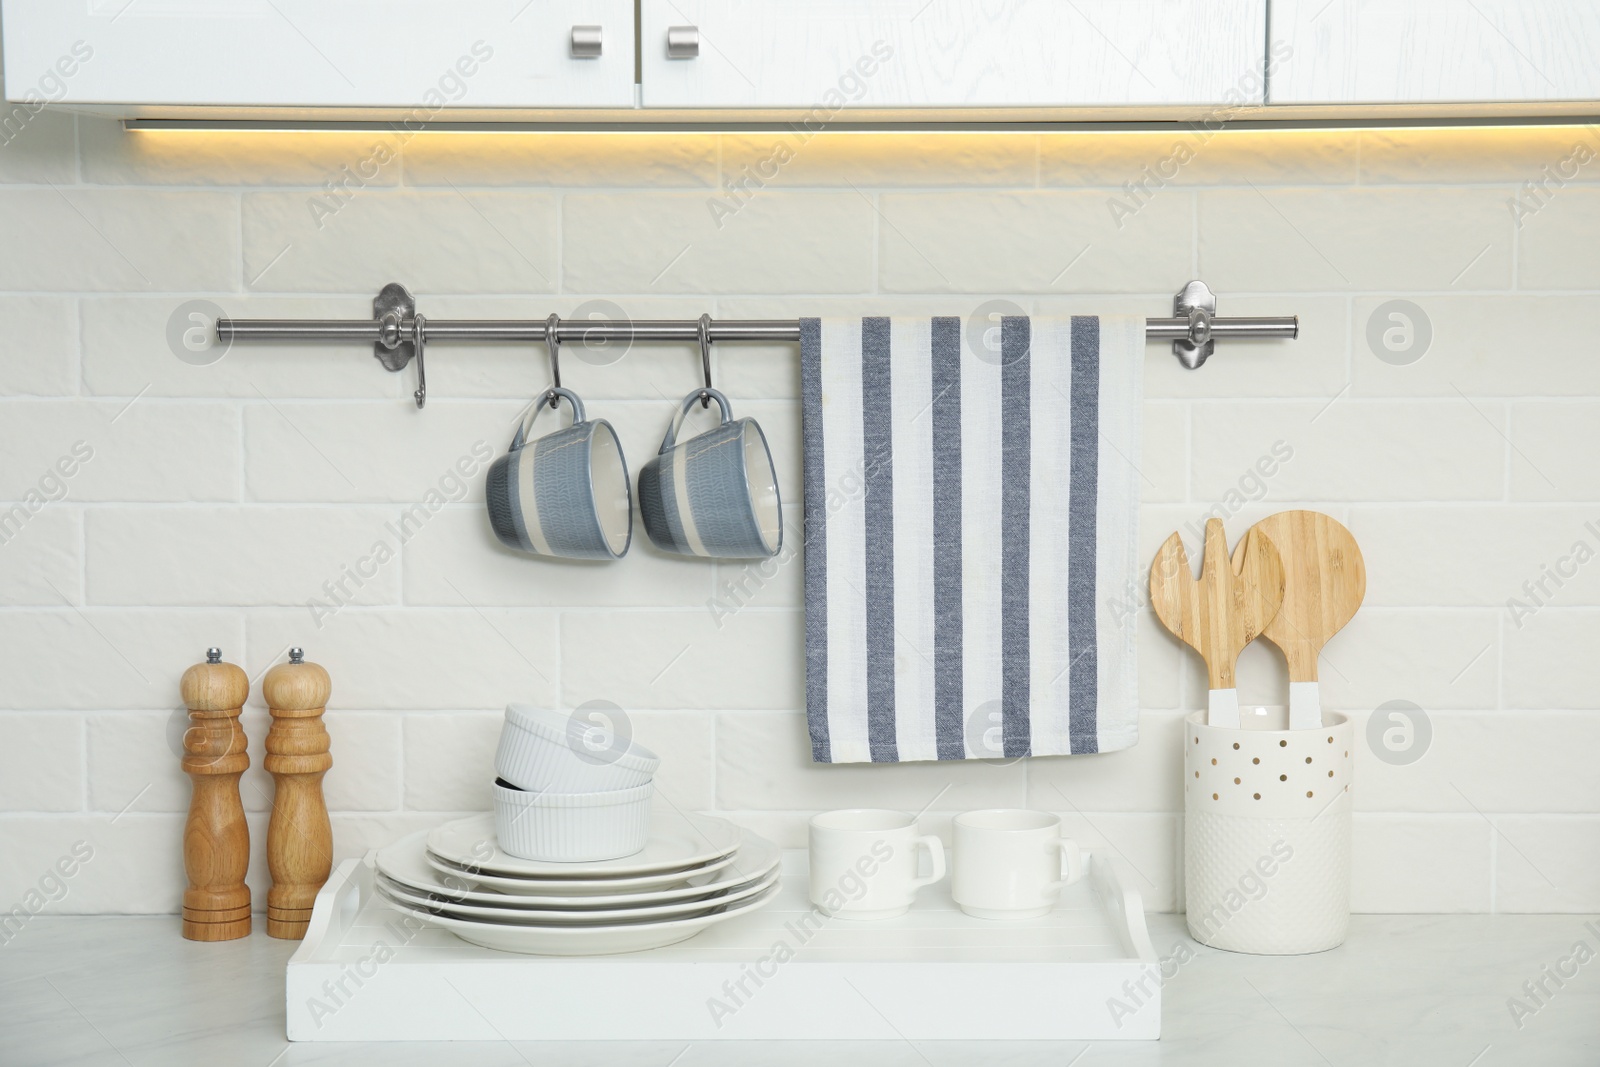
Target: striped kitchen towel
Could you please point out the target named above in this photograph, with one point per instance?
(971, 512)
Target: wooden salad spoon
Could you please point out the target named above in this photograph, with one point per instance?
(1325, 579)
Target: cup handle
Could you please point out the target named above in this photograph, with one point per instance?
(683, 412)
(936, 856)
(539, 405)
(1071, 862)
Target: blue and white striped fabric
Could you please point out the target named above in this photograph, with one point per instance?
(971, 521)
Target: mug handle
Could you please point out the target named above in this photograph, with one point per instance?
(935, 856)
(539, 405)
(683, 412)
(1071, 861)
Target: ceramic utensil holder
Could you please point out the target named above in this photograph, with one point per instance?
(1267, 833)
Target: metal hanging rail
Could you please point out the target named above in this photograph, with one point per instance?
(397, 332)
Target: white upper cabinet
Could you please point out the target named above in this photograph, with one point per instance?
(1434, 51)
(422, 55)
(528, 59)
(827, 54)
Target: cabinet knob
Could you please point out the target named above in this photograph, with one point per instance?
(683, 42)
(586, 42)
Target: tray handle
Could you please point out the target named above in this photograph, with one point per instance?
(335, 909)
(1124, 905)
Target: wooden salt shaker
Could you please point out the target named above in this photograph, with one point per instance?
(299, 837)
(216, 839)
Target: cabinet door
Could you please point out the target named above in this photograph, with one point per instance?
(1434, 51)
(829, 54)
(426, 55)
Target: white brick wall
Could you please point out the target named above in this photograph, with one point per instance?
(220, 499)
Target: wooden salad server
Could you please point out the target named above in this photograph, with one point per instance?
(1325, 580)
(1221, 612)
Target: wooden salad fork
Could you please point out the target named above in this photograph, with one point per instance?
(1224, 610)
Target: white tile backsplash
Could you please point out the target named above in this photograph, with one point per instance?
(1321, 158)
(38, 348)
(1547, 862)
(1557, 244)
(365, 775)
(685, 742)
(127, 865)
(456, 560)
(449, 760)
(383, 450)
(1439, 659)
(41, 762)
(1492, 761)
(1546, 649)
(391, 658)
(134, 762)
(42, 558)
(1132, 779)
(107, 239)
(1036, 242)
(264, 555)
(1452, 155)
(1265, 240)
(1553, 445)
(1418, 863)
(43, 152)
(962, 159)
(1524, 554)
(1513, 345)
(653, 242)
(243, 503)
(707, 658)
(530, 162)
(133, 449)
(448, 241)
(1347, 450)
(91, 659)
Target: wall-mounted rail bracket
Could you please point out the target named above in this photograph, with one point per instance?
(402, 334)
(394, 308)
(1197, 303)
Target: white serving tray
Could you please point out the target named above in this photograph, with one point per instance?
(363, 974)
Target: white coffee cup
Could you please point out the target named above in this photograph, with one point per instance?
(1011, 863)
(864, 862)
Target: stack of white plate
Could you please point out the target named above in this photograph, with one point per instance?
(693, 872)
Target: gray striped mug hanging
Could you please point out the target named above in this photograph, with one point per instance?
(715, 495)
(565, 494)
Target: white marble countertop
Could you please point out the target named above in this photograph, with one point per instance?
(1404, 990)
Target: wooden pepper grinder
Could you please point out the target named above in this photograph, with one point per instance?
(216, 840)
(299, 837)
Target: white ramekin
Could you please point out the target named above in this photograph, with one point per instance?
(572, 827)
(543, 752)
